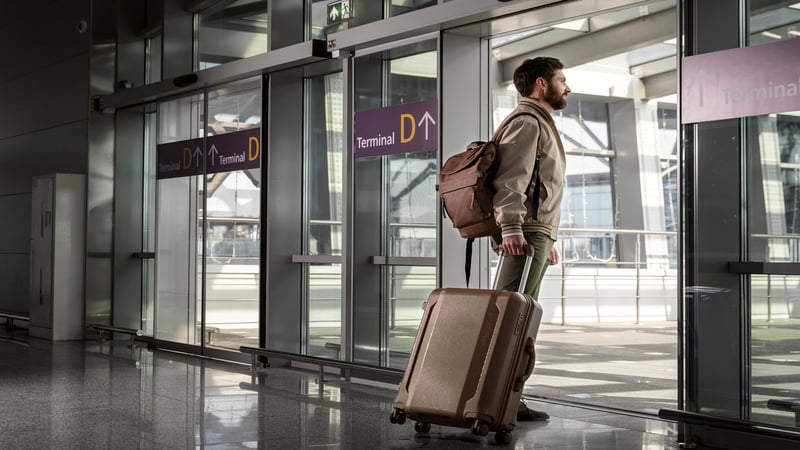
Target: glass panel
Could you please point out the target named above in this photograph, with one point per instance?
(775, 236)
(323, 175)
(398, 7)
(612, 299)
(410, 186)
(407, 184)
(153, 59)
(233, 221)
(412, 201)
(149, 222)
(772, 21)
(775, 357)
(177, 228)
(230, 31)
(774, 224)
(324, 310)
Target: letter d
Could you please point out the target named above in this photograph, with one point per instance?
(403, 118)
(253, 149)
(187, 157)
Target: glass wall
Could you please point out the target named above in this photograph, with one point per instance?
(229, 31)
(774, 224)
(395, 198)
(177, 223)
(612, 299)
(323, 213)
(149, 219)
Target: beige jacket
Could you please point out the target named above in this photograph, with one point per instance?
(520, 142)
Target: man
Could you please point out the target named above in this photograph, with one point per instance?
(529, 215)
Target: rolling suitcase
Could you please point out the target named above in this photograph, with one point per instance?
(472, 354)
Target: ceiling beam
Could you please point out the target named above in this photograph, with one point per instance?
(644, 31)
(660, 85)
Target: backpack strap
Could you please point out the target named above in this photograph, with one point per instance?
(536, 189)
(468, 259)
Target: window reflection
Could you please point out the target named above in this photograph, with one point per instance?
(232, 211)
(231, 30)
(618, 242)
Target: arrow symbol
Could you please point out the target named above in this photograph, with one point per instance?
(426, 120)
(212, 153)
(197, 154)
(334, 13)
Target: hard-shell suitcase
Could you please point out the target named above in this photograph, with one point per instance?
(473, 352)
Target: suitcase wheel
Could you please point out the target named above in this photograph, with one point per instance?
(503, 437)
(398, 417)
(480, 428)
(422, 427)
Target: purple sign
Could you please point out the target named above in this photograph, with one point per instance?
(223, 153)
(741, 82)
(407, 128)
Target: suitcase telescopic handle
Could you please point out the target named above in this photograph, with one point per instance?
(523, 281)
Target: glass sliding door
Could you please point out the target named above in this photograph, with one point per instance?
(231, 214)
(208, 222)
(177, 237)
(774, 237)
(323, 215)
(395, 202)
(149, 220)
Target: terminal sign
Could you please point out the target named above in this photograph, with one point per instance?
(741, 82)
(221, 153)
(407, 128)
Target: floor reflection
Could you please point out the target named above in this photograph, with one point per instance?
(85, 395)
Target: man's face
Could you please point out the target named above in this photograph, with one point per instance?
(557, 90)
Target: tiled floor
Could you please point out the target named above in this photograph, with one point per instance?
(79, 395)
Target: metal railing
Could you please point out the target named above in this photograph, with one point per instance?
(567, 234)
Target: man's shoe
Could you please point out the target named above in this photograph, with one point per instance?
(526, 414)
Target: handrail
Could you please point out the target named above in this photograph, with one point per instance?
(730, 424)
(135, 334)
(11, 317)
(393, 374)
(617, 231)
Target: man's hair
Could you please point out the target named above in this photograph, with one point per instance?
(526, 74)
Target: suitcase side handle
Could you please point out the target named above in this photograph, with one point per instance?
(529, 350)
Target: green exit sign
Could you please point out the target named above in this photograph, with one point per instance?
(339, 11)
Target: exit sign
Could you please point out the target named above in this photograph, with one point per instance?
(339, 11)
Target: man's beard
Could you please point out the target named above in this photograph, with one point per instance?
(556, 100)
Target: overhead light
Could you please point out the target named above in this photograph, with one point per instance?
(771, 35)
(225, 117)
(795, 6)
(794, 33)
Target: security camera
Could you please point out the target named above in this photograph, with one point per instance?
(82, 27)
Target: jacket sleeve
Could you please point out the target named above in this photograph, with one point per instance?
(516, 160)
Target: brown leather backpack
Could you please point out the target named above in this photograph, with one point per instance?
(466, 189)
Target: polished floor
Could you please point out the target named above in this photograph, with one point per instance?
(83, 395)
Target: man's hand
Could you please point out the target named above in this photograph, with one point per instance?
(553, 256)
(516, 245)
